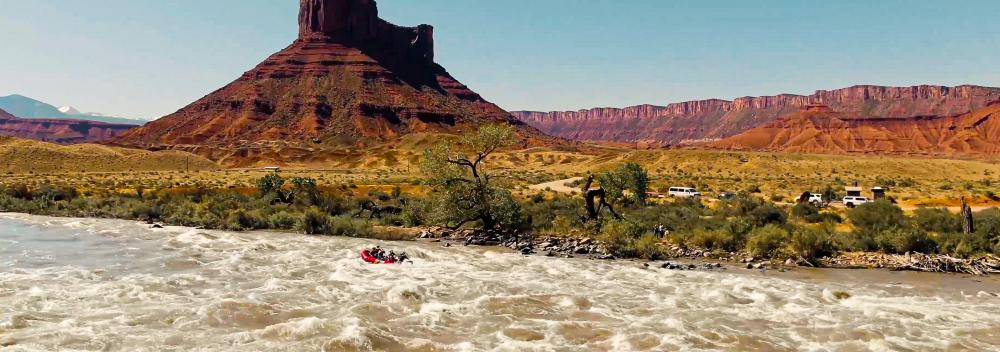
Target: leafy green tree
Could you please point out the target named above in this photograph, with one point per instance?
(629, 177)
(270, 185)
(304, 191)
(464, 188)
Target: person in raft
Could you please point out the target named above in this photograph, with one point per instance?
(378, 253)
(391, 257)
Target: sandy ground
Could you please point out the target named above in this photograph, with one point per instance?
(558, 186)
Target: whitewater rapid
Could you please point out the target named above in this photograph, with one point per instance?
(107, 285)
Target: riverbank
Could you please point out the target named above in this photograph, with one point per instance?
(585, 247)
(692, 258)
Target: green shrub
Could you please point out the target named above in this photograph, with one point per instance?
(958, 244)
(542, 215)
(902, 240)
(824, 217)
(620, 236)
(57, 193)
(767, 241)
(682, 216)
(537, 198)
(344, 225)
(415, 212)
(987, 235)
(938, 220)
(811, 214)
(314, 222)
(712, 240)
(337, 204)
(19, 191)
(811, 243)
(874, 218)
(243, 220)
(282, 220)
(147, 212)
(768, 214)
(804, 210)
(648, 247)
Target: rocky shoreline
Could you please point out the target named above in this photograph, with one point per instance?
(584, 247)
(937, 263)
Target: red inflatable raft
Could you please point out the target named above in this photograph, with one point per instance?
(367, 257)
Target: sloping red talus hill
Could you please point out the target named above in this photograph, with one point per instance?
(350, 77)
(58, 130)
(705, 120)
(6, 115)
(975, 134)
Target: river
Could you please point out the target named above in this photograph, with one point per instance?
(108, 285)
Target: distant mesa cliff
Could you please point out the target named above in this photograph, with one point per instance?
(58, 130)
(817, 130)
(350, 77)
(715, 119)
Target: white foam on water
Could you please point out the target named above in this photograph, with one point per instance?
(131, 288)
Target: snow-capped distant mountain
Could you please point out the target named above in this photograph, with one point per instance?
(29, 108)
(69, 110)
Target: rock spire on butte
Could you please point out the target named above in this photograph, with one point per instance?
(350, 77)
(356, 22)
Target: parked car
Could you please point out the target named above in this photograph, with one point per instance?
(816, 199)
(684, 192)
(727, 195)
(853, 201)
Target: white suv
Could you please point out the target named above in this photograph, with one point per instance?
(852, 202)
(684, 192)
(816, 198)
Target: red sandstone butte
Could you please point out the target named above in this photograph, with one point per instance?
(349, 77)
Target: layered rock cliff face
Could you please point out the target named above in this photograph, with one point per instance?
(974, 134)
(350, 77)
(58, 130)
(715, 119)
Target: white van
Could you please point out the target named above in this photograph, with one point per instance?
(684, 192)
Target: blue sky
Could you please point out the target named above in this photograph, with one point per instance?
(148, 58)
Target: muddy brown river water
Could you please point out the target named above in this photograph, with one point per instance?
(107, 285)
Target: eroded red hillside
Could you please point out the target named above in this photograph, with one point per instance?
(58, 130)
(972, 134)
